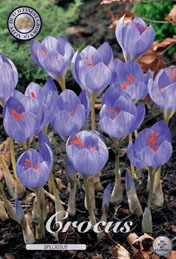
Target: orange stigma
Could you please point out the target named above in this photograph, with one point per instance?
(130, 79)
(27, 165)
(172, 74)
(74, 110)
(89, 63)
(33, 95)
(44, 52)
(77, 141)
(16, 115)
(152, 141)
(115, 112)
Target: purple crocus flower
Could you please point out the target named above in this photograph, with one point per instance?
(33, 168)
(44, 96)
(87, 152)
(119, 116)
(92, 68)
(135, 38)
(8, 78)
(163, 90)
(70, 112)
(152, 147)
(23, 117)
(106, 196)
(52, 55)
(130, 77)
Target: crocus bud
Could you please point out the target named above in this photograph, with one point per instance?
(147, 221)
(27, 233)
(106, 197)
(134, 204)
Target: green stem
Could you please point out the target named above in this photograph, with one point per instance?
(92, 104)
(152, 177)
(133, 174)
(40, 204)
(157, 177)
(45, 130)
(61, 81)
(117, 147)
(89, 207)
(12, 153)
(50, 185)
(135, 133)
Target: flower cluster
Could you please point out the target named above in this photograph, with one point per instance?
(28, 114)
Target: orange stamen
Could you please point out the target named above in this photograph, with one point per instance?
(152, 141)
(115, 112)
(35, 53)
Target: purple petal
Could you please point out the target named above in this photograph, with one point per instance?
(18, 209)
(94, 81)
(84, 98)
(163, 153)
(106, 196)
(131, 156)
(139, 118)
(129, 182)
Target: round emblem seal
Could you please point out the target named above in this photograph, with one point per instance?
(24, 23)
(162, 245)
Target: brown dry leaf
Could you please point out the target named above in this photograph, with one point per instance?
(9, 256)
(5, 153)
(98, 106)
(59, 183)
(171, 18)
(171, 255)
(97, 256)
(74, 30)
(49, 208)
(126, 211)
(119, 252)
(160, 46)
(116, 1)
(28, 217)
(28, 198)
(128, 17)
(173, 228)
(153, 57)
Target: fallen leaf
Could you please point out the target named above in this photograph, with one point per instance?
(9, 256)
(171, 18)
(74, 30)
(173, 228)
(98, 106)
(128, 17)
(59, 183)
(119, 252)
(5, 153)
(171, 255)
(116, 1)
(97, 256)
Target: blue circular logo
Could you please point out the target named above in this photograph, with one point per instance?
(24, 23)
